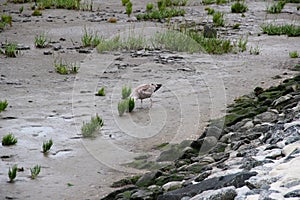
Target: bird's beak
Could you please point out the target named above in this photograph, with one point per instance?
(157, 86)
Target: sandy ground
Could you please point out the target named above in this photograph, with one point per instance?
(44, 104)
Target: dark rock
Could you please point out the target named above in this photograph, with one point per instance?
(237, 180)
(86, 51)
(265, 117)
(227, 193)
(56, 47)
(272, 146)
(249, 163)
(220, 156)
(168, 178)
(220, 147)
(142, 194)
(295, 153)
(113, 195)
(204, 144)
(202, 176)
(295, 193)
(148, 179)
(47, 52)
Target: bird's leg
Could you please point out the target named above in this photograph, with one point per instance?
(150, 103)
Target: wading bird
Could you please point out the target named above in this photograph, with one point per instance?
(144, 91)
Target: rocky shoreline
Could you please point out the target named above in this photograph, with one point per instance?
(252, 152)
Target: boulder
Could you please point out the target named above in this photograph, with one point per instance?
(227, 193)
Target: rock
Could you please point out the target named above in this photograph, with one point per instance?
(113, 195)
(282, 99)
(274, 154)
(260, 182)
(56, 47)
(148, 179)
(86, 51)
(142, 194)
(220, 156)
(295, 193)
(47, 52)
(202, 176)
(204, 144)
(172, 185)
(22, 47)
(237, 180)
(227, 193)
(265, 117)
(248, 163)
(168, 178)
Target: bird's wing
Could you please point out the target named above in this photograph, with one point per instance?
(145, 91)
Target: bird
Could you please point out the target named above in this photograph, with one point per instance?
(144, 91)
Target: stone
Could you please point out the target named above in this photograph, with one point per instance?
(172, 185)
(204, 144)
(112, 196)
(220, 156)
(227, 193)
(274, 154)
(282, 99)
(148, 179)
(294, 193)
(202, 176)
(142, 194)
(265, 117)
(237, 180)
(248, 163)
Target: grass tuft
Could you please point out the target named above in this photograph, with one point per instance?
(126, 91)
(239, 7)
(254, 50)
(35, 171)
(47, 146)
(161, 14)
(218, 19)
(9, 139)
(286, 29)
(294, 54)
(129, 8)
(10, 50)
(64, 68)
(101, 92)
(12, 173)
(3, 105)
(90, 39)
(37, 12)
(89, 129)
(276, 7)
(40, 41)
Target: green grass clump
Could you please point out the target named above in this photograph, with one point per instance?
(63, 4)
(149, 7)
(10, 50)
(212, 45)
(236, 26)
(90, 39)
(161, 14)
(276, 7)
(124, 2)
(12, 173)
(122, 106)
(286, 29)
(129, 8)
(101, 92)
(126, 105)
(206, 2)
(239, 7)
(131, 42)
(254, 50)
(37, 12)
(126, 91)
(9, 139)
(175, 41)
(210, 11)
(64, 68)
(221, 1)
(218, 19)
(242, 44)
(293, 54)
(40, 41)
(3, 105)
(89, 129)
(47, 146)
(5, 20)
(35, 171)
